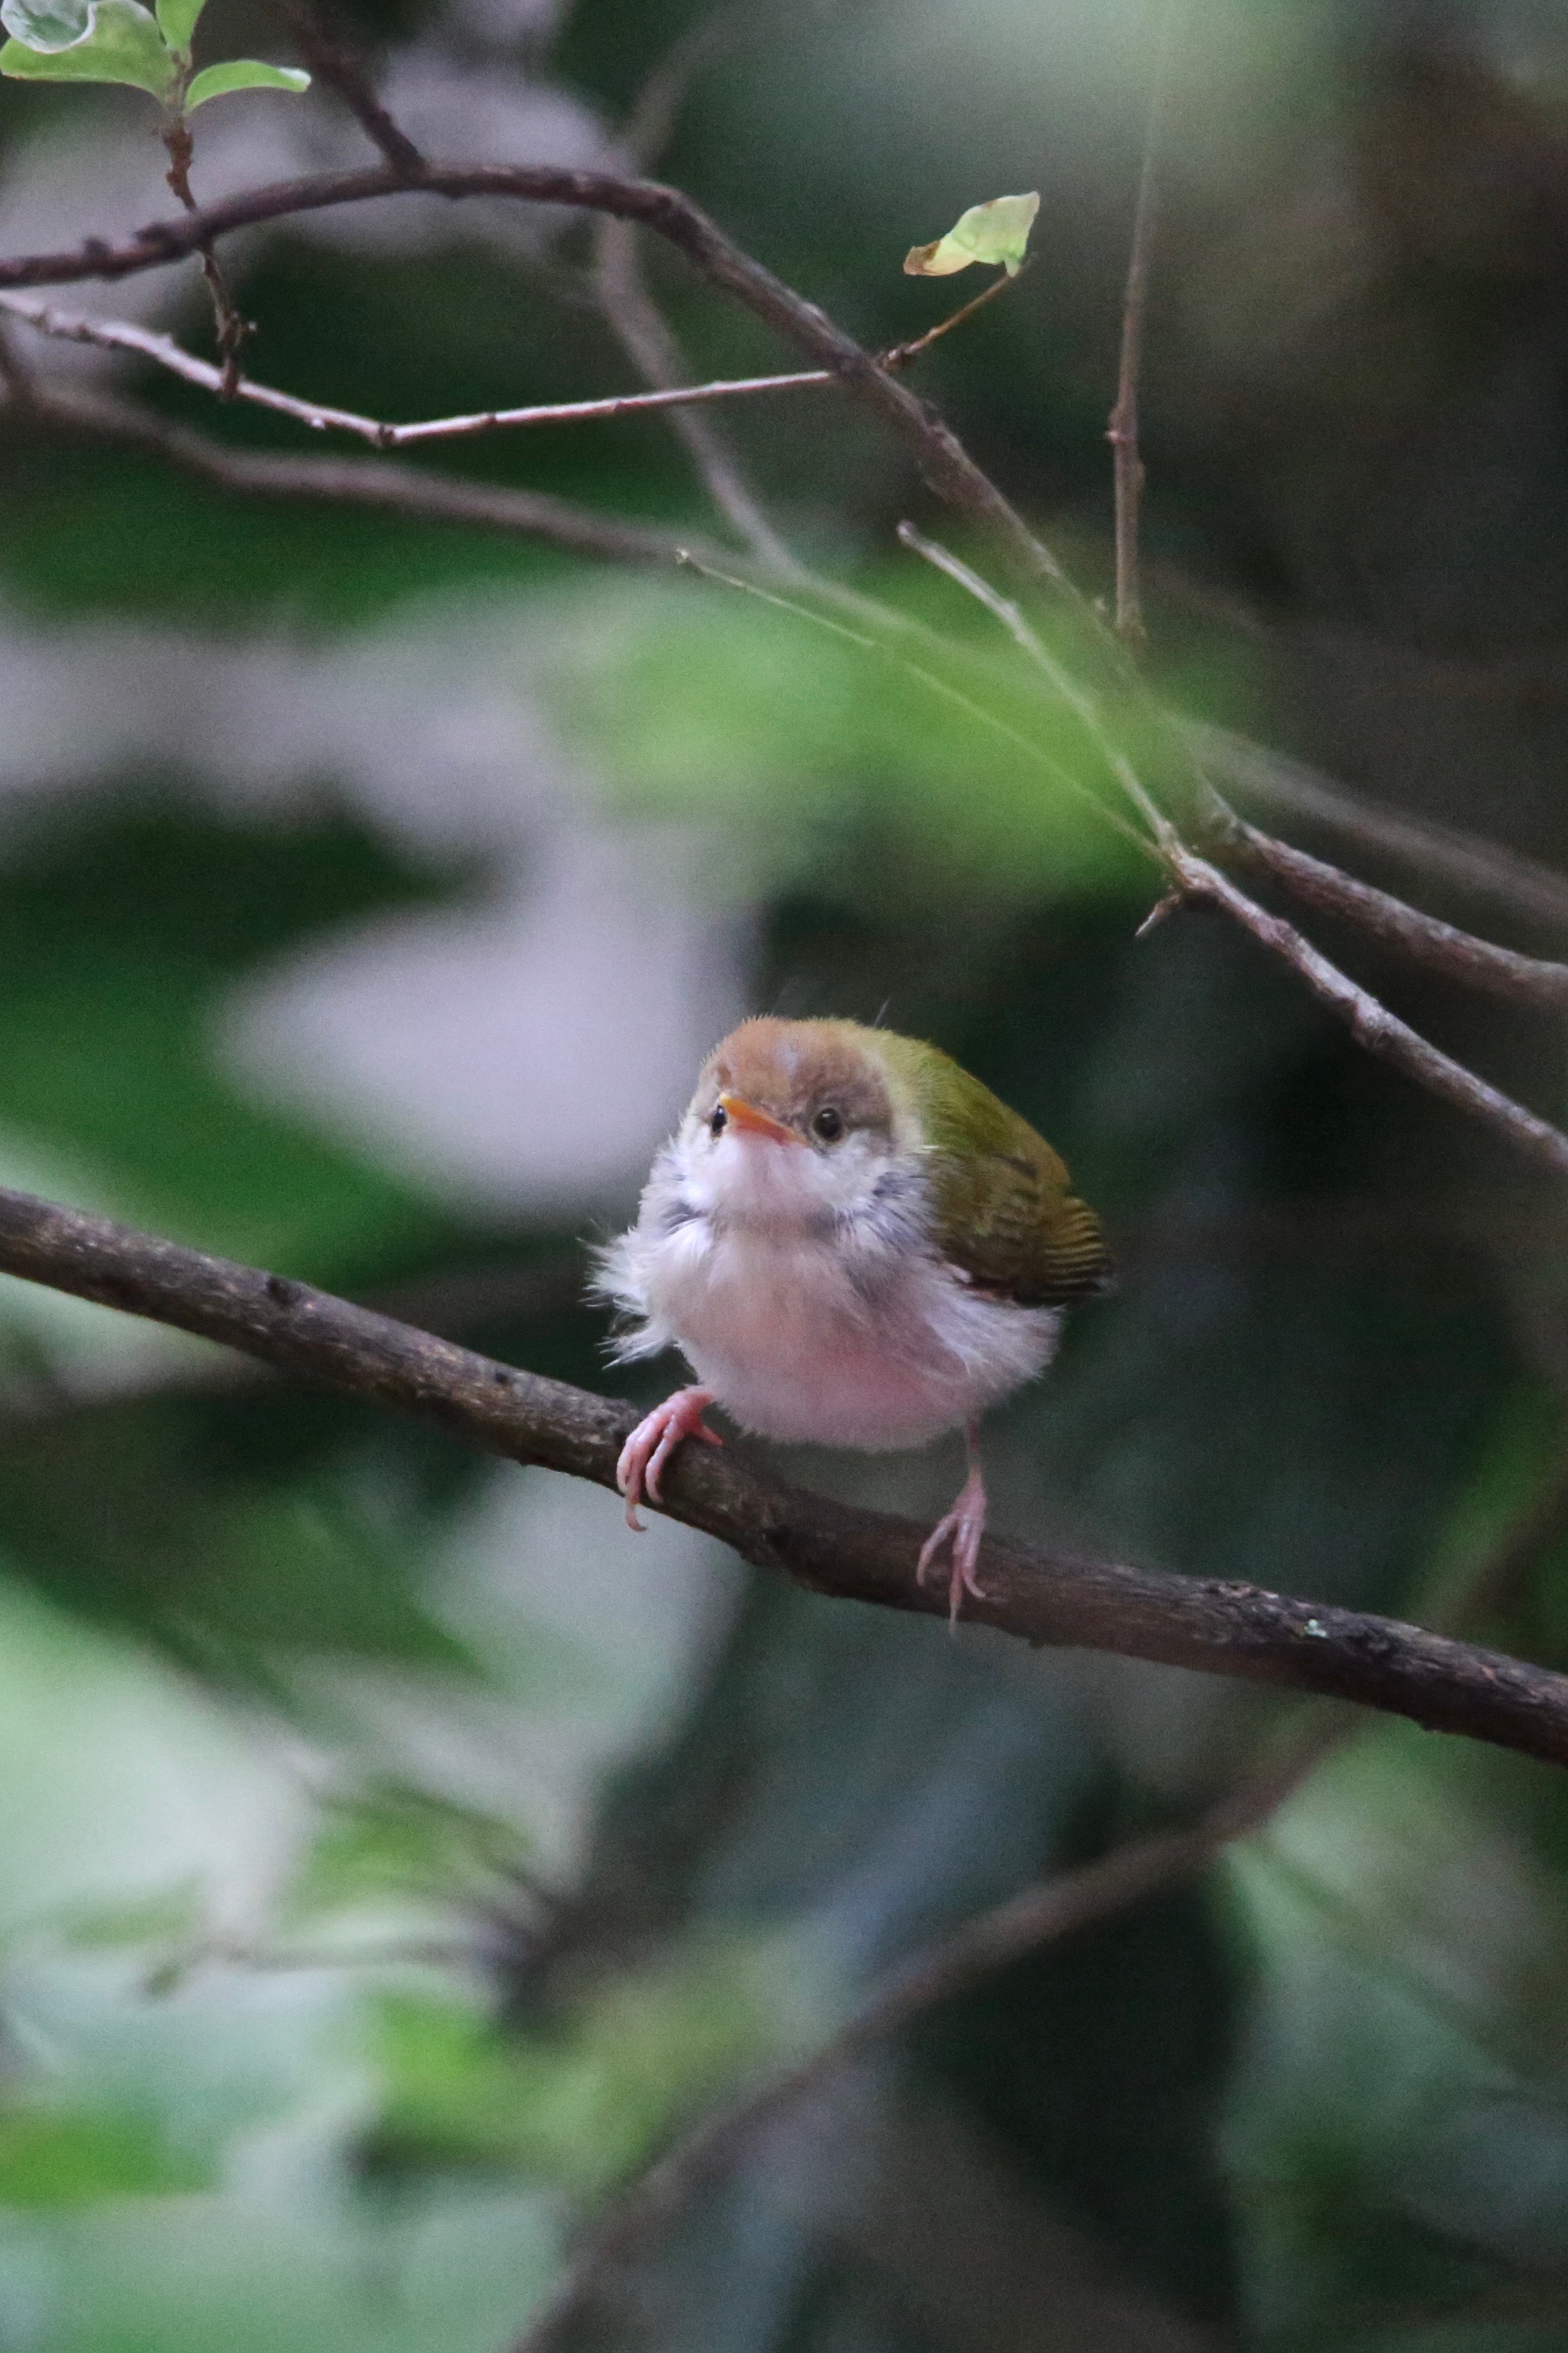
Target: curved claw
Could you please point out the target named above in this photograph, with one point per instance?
(655, 1439)
(961, 1528)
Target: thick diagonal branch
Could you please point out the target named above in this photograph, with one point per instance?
(830, 1547)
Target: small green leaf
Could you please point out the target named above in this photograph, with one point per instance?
(122, 43)
(177, 20)
(242, 73)
(996, 232)
(46, 25)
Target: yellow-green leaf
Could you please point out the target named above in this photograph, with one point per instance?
(177, 20)
(996, 232)
(243, 73)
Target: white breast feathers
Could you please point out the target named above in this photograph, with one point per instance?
(805, 1293)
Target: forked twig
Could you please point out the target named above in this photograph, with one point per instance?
(1195, 878)
(900, 355)
(1535, 981)
(124, 335)
(1464, 862)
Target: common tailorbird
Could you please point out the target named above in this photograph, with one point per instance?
(853, 1243)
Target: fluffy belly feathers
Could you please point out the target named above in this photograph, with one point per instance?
(794, 1349)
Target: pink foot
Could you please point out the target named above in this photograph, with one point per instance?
(962, 1528)
(655, 1439)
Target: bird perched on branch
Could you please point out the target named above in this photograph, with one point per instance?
(853, 1243)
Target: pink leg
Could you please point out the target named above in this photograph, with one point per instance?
(655, 1439)
(961, 1528)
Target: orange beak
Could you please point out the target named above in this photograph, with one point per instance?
(753, 1122)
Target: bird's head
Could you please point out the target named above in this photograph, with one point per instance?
(793, 1123)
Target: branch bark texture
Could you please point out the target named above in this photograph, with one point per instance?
(832, 1548)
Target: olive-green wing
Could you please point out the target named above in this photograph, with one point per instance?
(1008, 1220)
(1002, 1206)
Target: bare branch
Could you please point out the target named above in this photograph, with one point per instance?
(232, 328)
(1369, 1022)
(1061, 1907)
(342, 71)
(943, 458)
(365, 482)
(1441, 947)
(1122, 432)
(903, 353)
(1288, 787)
(832, 1548)
(123, 335)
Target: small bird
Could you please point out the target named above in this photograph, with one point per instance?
(853, 1243)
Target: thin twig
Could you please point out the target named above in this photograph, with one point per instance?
(364, 482)
(232, 328)
(1369, 1022)
(1441, 947)
(1122, 432)
(935, 681)
(123, 335)
(830, 1547)
(644, 334)
(1481, 868)
(1077, 698)
(635, 318)
(900, 354)
(336, 65)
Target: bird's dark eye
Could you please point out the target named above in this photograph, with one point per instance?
(829, 1124)
(718, 1122)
